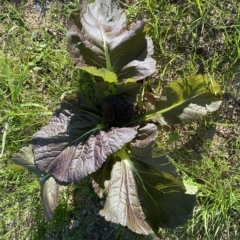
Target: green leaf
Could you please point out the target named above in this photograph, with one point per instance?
(25, 159)
(185, 100)
(128, 91)
(190, 189)
(105, 74)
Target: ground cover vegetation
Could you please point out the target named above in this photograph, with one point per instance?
(188, 38)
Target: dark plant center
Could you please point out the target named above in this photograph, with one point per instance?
(116, 112)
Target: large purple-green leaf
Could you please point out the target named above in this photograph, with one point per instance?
(185, 100)
(72, 146)
(50, 188)
(122, 204)
(161, 190)
(163, 196)
(99, 37)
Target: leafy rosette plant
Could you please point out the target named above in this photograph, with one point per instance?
(111, 138)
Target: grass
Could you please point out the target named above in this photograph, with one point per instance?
(189, 37)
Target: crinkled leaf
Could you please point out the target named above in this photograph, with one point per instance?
(99, 38)
(186, 100)
(72, 146)
(122, 204)
(50, 189)
(105, 74)
(145, 137)
(144, 148)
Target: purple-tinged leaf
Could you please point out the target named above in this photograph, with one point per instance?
(72, 146)
(100, 38)
(122, 204)
(145, 149)
(145, 137)
(50, 190)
